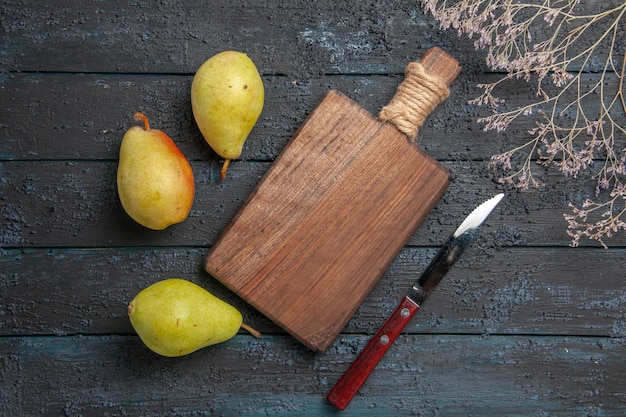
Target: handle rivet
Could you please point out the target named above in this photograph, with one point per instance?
(384, 339)
(404, 312)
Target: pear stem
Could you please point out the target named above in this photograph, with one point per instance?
(251, 330)
(224, 169)
(140, 117)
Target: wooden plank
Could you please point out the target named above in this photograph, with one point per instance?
(426, 375)
(67, 203)
(75, 203)
(330, 36)
(47, 109)
(169, 38)
(512, 291)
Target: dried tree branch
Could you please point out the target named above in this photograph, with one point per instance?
(570, 134)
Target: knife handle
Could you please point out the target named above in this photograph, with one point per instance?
(342, 393)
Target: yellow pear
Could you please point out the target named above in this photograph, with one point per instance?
(154, 180)
(175, 317)
(227, 98)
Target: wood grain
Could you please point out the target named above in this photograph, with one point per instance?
(168, 38)
(455, 374)
(330, 215)
(75, 110)
(326, 220)
(504, 291)
(56, 203)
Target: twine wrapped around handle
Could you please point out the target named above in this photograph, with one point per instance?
(424, 87)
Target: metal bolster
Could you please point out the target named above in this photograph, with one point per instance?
(417, 294)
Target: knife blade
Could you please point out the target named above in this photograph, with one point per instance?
(356, 375)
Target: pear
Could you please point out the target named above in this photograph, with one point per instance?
(227, 98)
(175, 317)
(154, 180)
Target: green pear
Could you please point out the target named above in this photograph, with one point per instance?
(154, 180)
(227, 98)
(175, 317)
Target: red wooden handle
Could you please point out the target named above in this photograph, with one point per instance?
(342, 393)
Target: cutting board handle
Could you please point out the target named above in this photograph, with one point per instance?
(425, 85)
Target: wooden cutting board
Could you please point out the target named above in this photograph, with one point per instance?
(333, 211)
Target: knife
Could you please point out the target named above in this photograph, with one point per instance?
(345, 389)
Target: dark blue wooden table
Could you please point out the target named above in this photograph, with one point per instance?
(524, 325)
